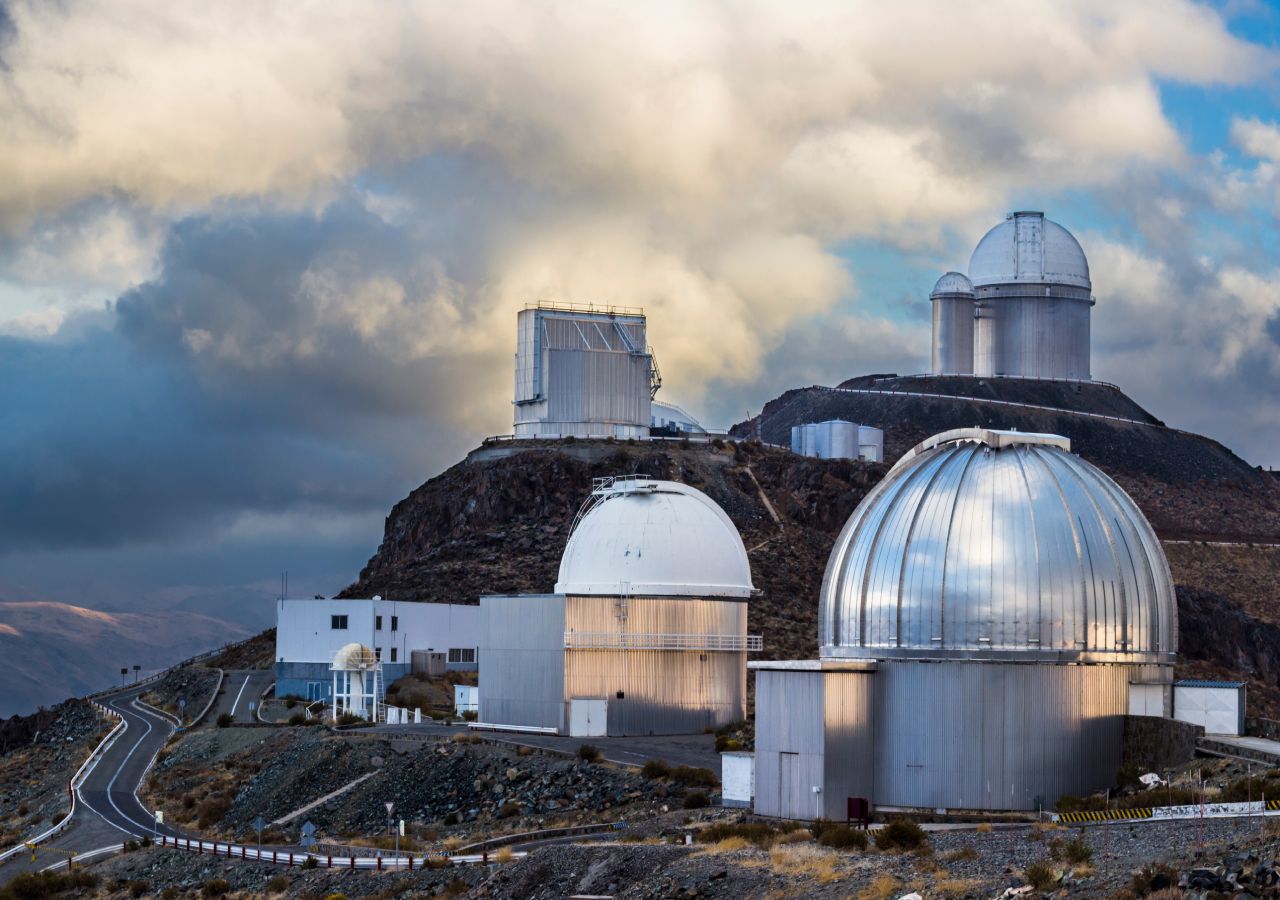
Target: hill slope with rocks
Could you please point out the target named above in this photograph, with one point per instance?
(498, 522)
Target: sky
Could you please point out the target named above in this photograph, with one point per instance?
(260, 263)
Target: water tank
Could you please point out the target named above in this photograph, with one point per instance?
(870, 443)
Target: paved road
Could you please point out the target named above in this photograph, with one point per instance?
(677, 749)
(240, 688)
(1256, 744)
(108, 810)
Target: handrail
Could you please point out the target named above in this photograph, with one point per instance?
(613, 640)
(80, 774)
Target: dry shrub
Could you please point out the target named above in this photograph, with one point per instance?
(1040, 875)
(436, 862)
(728, 845)
(503, 855)
(808, 862)
(453, 842)
(956, 887)
(965, 853)
(882, 887)
(1169, 893)
(798, 836)
(983, 828)
(462, 738)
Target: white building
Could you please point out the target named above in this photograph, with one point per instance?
(646, 632)
(583, 372)
(310, 634)
(838, 439)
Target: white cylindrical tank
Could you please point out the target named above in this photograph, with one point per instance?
(953, 325)
(797, 439)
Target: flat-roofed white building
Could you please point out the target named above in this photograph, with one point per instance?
(309, 633)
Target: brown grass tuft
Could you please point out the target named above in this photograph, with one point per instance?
(808, 862)
(882, 887)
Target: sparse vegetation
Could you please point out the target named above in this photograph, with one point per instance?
(900, 835)
(215, 887)
(882, 887)
(842, 837)
(588, 752)
(761, 834)
(34, 885)
(278, 884)
(806, 862)
(693, 776)
(696, 800)
(655, 769)
(225, 719)
(1075, 850)
(1040, 875)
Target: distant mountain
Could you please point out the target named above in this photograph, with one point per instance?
(51, 651)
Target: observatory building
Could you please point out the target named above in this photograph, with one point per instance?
(985, 613)
(583, 372)
(646, 632)
(1023, 309)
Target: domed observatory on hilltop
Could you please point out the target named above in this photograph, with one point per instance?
(983, 616)
(1028, 299)
(646, 632)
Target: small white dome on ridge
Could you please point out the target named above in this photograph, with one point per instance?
(645, 537)
(1028, 248)
(952, 283)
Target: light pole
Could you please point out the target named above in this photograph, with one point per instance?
(391, 808)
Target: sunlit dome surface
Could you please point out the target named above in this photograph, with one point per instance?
(645, 537)
(952, 283)
(1028, 248)
(997, 543)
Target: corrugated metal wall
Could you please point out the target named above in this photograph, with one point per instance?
(664, 692)
(849, 764)
(522, 661)
(789, 742)
(1032, 336)
(965, 735)
(953, 328)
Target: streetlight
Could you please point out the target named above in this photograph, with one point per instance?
(391, 808)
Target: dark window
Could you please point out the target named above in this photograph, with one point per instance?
(377, 653)
(377, 623)
(462, 654)
(395, 623)
(338, 623)
(455, 655)
(393, 653)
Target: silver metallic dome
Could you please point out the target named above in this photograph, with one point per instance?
(998, 544)
(952, 283)
(1028, 248)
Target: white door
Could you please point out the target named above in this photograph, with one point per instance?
(588, 717)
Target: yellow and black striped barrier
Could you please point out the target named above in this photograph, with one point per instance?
(1273, 804)
(1106, 815)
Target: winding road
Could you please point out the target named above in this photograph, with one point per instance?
(108, 810)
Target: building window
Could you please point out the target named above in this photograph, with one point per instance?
(377, 653)
(338, 623)
(395, 623)
(462, 654)
(393, 653)
(377, 623)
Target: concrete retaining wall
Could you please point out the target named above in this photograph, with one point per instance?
(1154, 744)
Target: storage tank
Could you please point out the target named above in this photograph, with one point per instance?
(952, 299)
(1032, 301)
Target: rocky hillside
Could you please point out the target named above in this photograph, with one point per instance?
(1188, 485)
(498, 522)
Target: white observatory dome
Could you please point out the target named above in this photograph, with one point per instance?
(952, 283)
(353, 658)
(643, 537)
(998, 544)
(1028, 248)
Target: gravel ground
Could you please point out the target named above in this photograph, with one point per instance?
(188, 873)
(33, 777)
(466, 789)
(194, 684)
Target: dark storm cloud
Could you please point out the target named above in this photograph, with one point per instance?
(224, 387)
